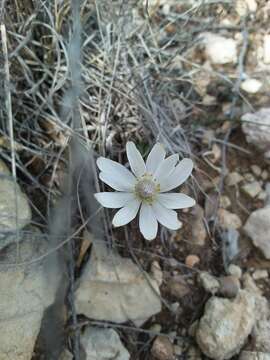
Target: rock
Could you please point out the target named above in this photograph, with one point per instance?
(235, 270)
(228, 220)
(229, 286)
(224, 202)
(266, 49)
(114, 289)
(260, 274)
(66, 355)
(260, 335)
(220, 50)
(233, 178)
(208, 282)
(254, 355)
(230, 247)
(257, 171)
(25, 294)
(103, 344)
(256, 128)
(199, 233)
(162, 348)
(257, 228)
(249, 177)
(264, 175)
(252, 190)
(9, 192)
(251, 86)
(243, 7)
(250, 285)
(225, 325)
(192, 260)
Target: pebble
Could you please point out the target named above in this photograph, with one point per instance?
(260, 274)
(252, 190)
(178, 287)
(235, 270)
(234, 178)
(228, 220)
(192, 260)
(262, 195)
(251, 86)
(209, 282)
(220, 50)
(162, 348)
(225, 202)
(256, 170)
(249, 177)
(229, 286)
(264, 175)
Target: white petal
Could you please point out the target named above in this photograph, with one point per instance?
(114, 200)
(148, 222)
(126, 214)
(179, 175)
(135, 159)
(176, 201)
(166, 167)
(166, 217)
(116, 170)
(155, 158)
(116, 182)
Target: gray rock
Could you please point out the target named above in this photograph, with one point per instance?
(254, 355)
(228, 220)
(233, 178)
(24, 295)
(225, 325)
(252, 190)
(235, 270)
(260, 335)
(256, 127)
(103, 344)
(257, 228)
(9, 223)
(229, 286)
(220, 50)
(113, 288)
(209, 282)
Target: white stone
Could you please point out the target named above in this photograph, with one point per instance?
(260, 335)
(114, 289)
(257, 228)
(256, 127)
(234, 178)
(228, 220)
(260, 274)
(252, 190)
(235, 270)
(266, 49)
(209, 282)
(103, 344)
(243, 7)
(225, 325)
(25, 293)
(251, 86)
(220, 50)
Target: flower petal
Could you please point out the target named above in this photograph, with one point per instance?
(114, 200)
(176, 201)
(166, 217)
(115, 169)
(166, 167)
(135, 159)
(155, 158)
(179, 175)
(148, 222)
(126, 214)
(116, 182)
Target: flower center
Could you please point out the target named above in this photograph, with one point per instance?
(146, 189)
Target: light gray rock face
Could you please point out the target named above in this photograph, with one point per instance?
(103, 344)
(225, 325)
(254, 355)
(112, 288)
(256, 127)
(11, 199)
(257, 228)
(24, 296)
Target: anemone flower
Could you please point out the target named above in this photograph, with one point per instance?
(145, 189)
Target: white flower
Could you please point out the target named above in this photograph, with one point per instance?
(145, 188)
